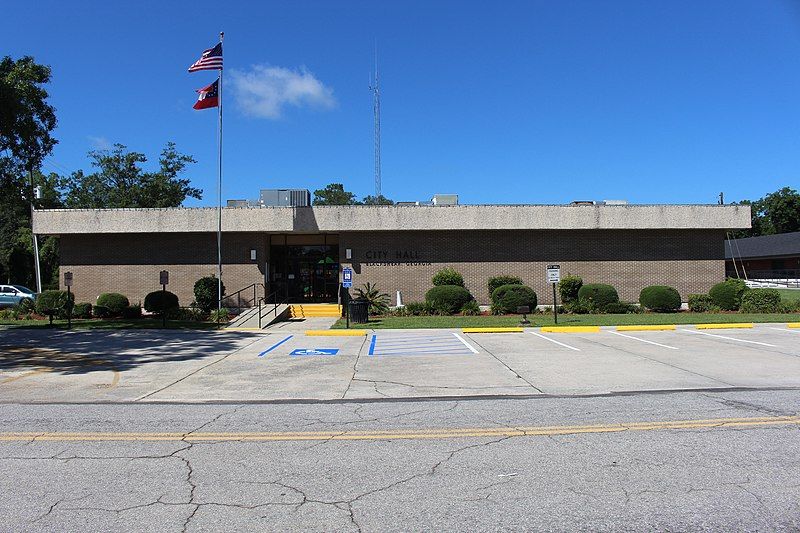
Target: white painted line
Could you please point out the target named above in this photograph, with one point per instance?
(554, 341)
(787, 330)
(643, 340)
(729, 338)
(468, 345)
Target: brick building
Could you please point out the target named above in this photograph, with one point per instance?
(299, 251)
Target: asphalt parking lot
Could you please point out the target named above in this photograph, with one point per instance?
(192, 366)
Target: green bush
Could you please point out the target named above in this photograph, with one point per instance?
(660, 298)
(206, 291)
(499, 281)
(82, 310)
(416, 309)
(114, 302)
(761, 301)
(728, 294)
(26, 305)
(568, 288)
(132, 311)
(507, 298)
(160, 302)
(378, 301)
(8, 314)
(577, 307)
(100, 311)
(597, 295)
(790, 306)
(701, 303)
(448, 276)
(471, 308)
(619, 308)
(54, 303)
(448, 299)
(219, 315)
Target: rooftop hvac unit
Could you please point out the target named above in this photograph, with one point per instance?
(445, 199)
(285, 198)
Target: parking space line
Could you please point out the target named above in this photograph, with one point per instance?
(643, 340)
(274, 346)
(372, 345)
(787, 330)
(728, 338)
(465, 343)
(554, 341)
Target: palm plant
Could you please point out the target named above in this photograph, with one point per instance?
(378, 301)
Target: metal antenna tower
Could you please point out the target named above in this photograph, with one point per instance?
(376, 109)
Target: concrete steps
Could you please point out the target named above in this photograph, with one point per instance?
(249, 318)
(315, 310)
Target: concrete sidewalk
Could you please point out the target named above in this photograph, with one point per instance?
(191, 366)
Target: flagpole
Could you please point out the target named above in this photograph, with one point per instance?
(219, 193)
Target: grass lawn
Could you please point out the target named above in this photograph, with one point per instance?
(116, 323)
(408, 322)
(789, 295)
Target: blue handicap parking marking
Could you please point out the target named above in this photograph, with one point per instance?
(434, 344)
(315, 351)
(265, 352)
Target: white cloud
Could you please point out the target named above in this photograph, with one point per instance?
(99, 143)
(263, 91)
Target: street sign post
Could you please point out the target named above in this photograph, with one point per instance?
(554, 276)
(347, 282)
(68, 283)
(163, 280)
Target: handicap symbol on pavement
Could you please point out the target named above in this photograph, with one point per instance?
(315, 351)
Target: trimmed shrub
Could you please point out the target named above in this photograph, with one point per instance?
(132, 311)
(448, 298)
(99, 311)
(448, 276)
(568, 288)
(26, 305)
(790, 306)
(507, 298)
(114, 302)
(499, 281)
(761, 301)
(206, 291)
(701, 303)
(82, 310)
(471, 308)
(219, 315)
(577, 307)
(598, 295)
(660, 298)
(54, 303)
(161, 301)
(728, 294)
(619, 308)
(416, 309)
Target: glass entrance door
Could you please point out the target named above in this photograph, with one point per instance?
(306, 273)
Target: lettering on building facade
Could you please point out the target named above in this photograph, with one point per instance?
(394, 258)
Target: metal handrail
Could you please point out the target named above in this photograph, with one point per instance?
(238, 295)
(263, 313)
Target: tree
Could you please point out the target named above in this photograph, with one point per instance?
(26, 122)
(121, 182)
(334, 194)
(777, 212)
(377, 200)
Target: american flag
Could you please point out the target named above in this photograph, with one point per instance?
(210, 59)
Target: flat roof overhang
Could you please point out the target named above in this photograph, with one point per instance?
(390, 218)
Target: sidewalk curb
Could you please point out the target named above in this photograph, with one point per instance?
(657, 327)
(336, 332)
(570, 329)
(493, 330)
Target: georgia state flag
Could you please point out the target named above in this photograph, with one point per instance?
(207, 96)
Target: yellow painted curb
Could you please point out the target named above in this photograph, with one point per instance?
(336, 332)
(662, 327)
(724, 326)
(571, 329)
(793, 325)
(493, 330)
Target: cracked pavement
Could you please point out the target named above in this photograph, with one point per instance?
(714, 477)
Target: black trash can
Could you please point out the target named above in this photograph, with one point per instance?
(359, 311)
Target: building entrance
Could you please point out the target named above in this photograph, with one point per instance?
(305, 273)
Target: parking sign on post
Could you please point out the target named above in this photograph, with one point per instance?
(163, 277)
(347, 277)
(554, 276)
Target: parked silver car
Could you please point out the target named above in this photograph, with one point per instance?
(11, 295)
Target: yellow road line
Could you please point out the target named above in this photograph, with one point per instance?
(409, 434)
(571, 329)
(732, 325)
(493, 330)
(24, 375)
(336, 332)
(661, 327)
(793, 325)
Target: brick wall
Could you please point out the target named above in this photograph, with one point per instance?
(690, 260)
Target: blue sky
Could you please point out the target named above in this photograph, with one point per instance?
(500, 102)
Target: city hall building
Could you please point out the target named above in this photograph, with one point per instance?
(299, 251)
